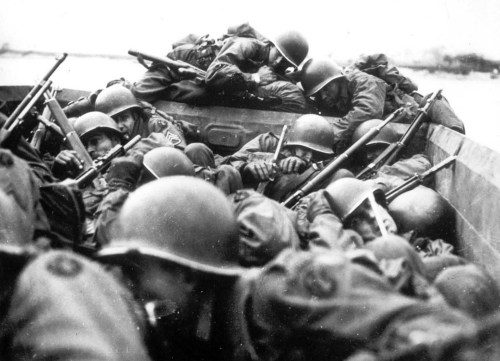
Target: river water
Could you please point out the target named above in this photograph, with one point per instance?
(474, 97)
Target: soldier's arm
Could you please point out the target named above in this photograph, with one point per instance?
(154, 84)
(261, 147)
(367, 102)
(226, 71)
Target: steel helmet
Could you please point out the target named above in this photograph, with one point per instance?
(345, 195)
(313, 132)
(423, 210)
(292, 45)
(167, 161)
(386, 136)
(115, 99)
(90, 122)
(317, 72)
(181, 220)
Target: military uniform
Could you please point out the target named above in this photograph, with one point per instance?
(65, 307)
(363, 98)
(319, 306)
(262, 148)
(231, 74)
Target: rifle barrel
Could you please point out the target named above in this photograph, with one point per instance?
(333, 166)
(417, 179)
(35, 90)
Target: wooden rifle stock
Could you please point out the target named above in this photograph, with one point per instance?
(34, 91)
(71, 137)
(174, 64)
(90, 174)
(417, 179)
(333, 166)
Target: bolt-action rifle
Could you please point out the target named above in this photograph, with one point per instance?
(70, 135)
(84, 179)
(390, 154)
(11, 130)
(335, 165)
(177, 65)
(27, 101)
(417, 179)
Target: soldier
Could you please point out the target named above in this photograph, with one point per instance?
(247, 67)
(124, 176)
(357, 96)
(387, 176)
(98, 133)
(354, 97)
(308, 143)
(176, 248)
(361, 207)
(56, 305)
(160, 82)
(157, 129)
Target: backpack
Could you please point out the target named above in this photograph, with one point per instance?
(378, 66)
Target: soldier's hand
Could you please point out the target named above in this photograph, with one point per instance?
(266, 75)
(292, 165)
(124, 170)
(187, 73)
(69, 159)
(260, 171)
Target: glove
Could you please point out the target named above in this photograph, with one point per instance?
(259, 171)
(292, 165)
(124, 171)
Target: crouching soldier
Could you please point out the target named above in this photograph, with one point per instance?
(308, 145)
(178, 252)
(57, 305)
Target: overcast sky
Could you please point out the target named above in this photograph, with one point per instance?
(343, 29)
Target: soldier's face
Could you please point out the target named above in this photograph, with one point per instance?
(125, 121)
(99, 144)
(303, 153)
(364, 221)
(175, 290)
(277, 61)
(329, 94)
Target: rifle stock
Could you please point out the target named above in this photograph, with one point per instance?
(333, 166)
(34, 91)
(71, 137)
(90, 174)
(175, 64)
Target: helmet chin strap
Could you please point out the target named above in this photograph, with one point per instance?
(378, 217)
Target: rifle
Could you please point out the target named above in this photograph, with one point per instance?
(389, 155)
(69, 133)
(178, 65)
(90, 174)
(333, 166)
(12, 125)
(44, 123)
(35, 90)
(274, 160)
(417, 179)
